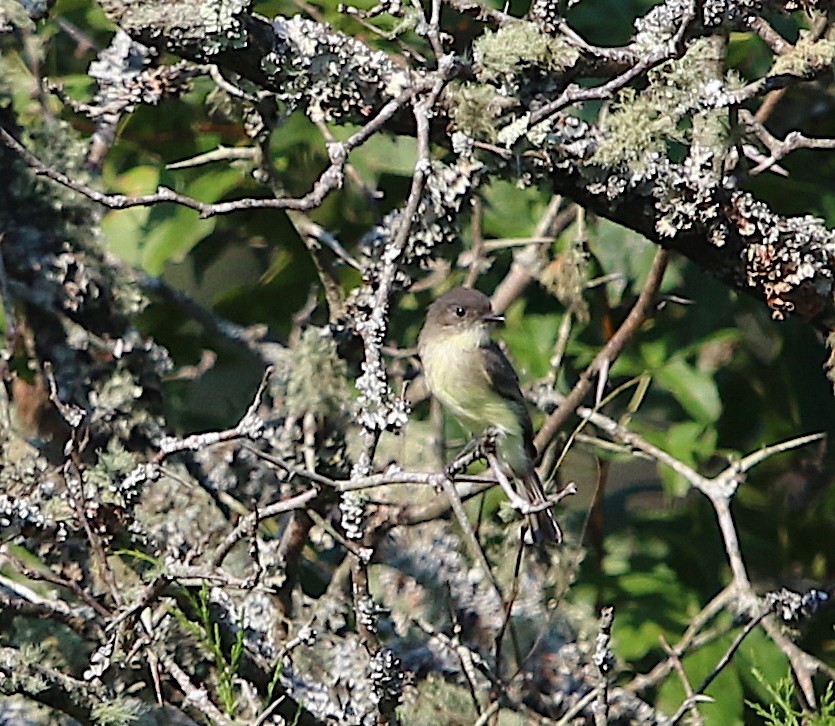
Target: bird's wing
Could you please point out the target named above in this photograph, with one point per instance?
(506, 384)
(501, 373)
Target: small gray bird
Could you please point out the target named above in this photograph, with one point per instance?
(473, 379)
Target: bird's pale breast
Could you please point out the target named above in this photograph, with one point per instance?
(456, 375)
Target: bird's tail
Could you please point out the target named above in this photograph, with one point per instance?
(543, 526)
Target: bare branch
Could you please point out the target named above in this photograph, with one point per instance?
(604, 660)
(577, 94)
(609, 353)
(674, 659)
(717, 669)
(330, 179)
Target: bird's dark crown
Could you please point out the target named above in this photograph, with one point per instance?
(461, 307)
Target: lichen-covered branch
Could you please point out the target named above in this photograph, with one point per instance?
(297, 564)
(525, 83)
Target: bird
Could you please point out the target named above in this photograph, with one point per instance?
(475, 382)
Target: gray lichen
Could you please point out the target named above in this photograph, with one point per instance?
(661, 23)
(107, 477)
(808, 55)
(521, 47)
(126, 76)
(635, 134)
(224, 27)
(431, 555)
(355, 81)
(13, 14)
(387, 677)
(794, 607)
(206, 28)
(78, 304)
(30, 492)
(476, 107)
(331, 679)
(716, 12)
(316, 381)
(449, 188)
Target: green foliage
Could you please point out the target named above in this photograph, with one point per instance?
(783, 709)
(228, 670)
(511, 211)
(726, 691)
(169, 233)
(113, 463)
(121, 710)
(207, 632)
(23, 678)
(636, 129)
(721, 378)
(531, 339)
(274, 681)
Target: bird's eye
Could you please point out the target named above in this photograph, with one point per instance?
(459, 311)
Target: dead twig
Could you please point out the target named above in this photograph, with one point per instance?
(609, 353)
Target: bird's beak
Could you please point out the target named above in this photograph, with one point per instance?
(492, 318)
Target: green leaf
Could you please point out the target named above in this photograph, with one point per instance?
(758, 652)
(509, 211)
(634, 642)
(690, 443)
(694, 390)
(180, 229)
(124, 229)
(530, 339)
(725, 690)
(383, 154)
(138, 180)
(173, 238)
(623, 254)
(214, 184)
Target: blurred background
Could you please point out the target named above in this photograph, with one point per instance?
(721, 377)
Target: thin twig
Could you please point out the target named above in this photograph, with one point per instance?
(578, 707)
(691, 701)
(15, 597)
(604, 660)
(609, 353)
(330, 179)
(195, 696)
(689, 641)
(675, 661)
(482, 12)
(299, 501)
(373, 329)
(474, 546)
(488, 713)
(576, 93)
(477, 248)
(803, 665)
(527, 262)
(719, 490)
